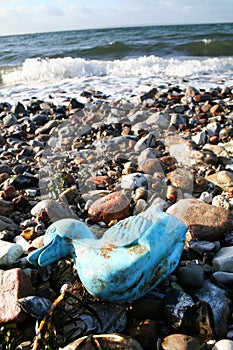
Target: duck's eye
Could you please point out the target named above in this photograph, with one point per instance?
(52, 229)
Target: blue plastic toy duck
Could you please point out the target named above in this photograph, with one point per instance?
(131, 258)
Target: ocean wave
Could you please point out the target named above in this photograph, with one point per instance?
(206, 48)
(55, 69)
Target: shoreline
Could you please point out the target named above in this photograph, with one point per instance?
(167, 146)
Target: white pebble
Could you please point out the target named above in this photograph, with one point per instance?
(224, 344)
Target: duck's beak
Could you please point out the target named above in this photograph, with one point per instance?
(58, 248)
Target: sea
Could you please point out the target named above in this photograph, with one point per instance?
(118, 62)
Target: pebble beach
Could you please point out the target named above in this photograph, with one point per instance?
(173, 148)
(100, 157)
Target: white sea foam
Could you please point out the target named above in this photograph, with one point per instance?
(119, 78)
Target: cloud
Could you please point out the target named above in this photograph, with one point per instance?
(48, 10)
(42, 15)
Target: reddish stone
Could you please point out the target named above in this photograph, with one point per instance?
(175, 96)
(100, 181)
(8, 193)
(114, 206)
(213, 140)
(14, 284)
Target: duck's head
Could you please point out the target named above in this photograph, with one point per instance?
(59, 241)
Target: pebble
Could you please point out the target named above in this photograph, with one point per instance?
(14, 284)
(223, 179)
(105, 341)
(220, 305)
(204, 221)
(133, 181)
(51, 210)
(180, 342)
(224, 279)
(6, 208)
(145, 332)
(146, 141)
(114, 206)
(9, 252)
(223, 344)
(223, 260)
(221, 201)
(191, 276)
(206, 197)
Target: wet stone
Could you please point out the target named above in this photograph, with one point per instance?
(224, 279)
(223, 260)
(183, 315)
(220, 305)
(191, 276)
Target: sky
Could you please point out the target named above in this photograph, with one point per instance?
(32, 16)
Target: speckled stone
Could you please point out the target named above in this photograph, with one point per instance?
(204, 221)
(114, 206)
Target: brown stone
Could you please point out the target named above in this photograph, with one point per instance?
(114, 206)
(214, 110)
(14, 284)
(204, 221)
(6, 208)
(223, 179)
(181, 178)
(99, 181)
(3, 177)
(168, 162)
(150, 166)
(145, 332)
(205, 108)
(29, 233)
(8, 193)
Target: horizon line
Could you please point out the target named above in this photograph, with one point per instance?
(113, 27)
